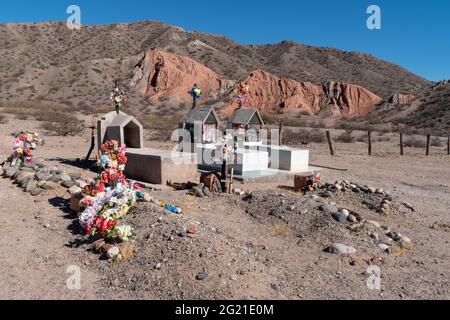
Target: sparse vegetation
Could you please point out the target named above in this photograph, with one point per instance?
(414, 142)
(61, 124)
(346, 137)
(303, 136)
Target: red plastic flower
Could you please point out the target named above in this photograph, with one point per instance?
(121, 158)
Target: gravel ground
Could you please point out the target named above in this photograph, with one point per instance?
(269, 245)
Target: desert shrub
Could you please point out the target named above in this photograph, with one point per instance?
(346, 137)
(318, 124)
(303, 136)
(383, 139)
(268, 119)
(62, 124)
(414, 142)
(362, 138)
(436, 142)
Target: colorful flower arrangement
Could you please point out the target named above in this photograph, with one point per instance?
(23, 143)
(110, 197)
(242, 91)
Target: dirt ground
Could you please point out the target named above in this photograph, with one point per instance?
(245, 250)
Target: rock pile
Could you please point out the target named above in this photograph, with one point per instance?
(39, 178)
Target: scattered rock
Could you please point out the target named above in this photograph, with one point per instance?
(275, 212)
(66, 177)
(207, 192)
(326, 194)
(80, 183)
(25, 181)
(68, 183)
(43, 176)
(345, 212)
(112, 252)
(374, 235)
(384, 247)
(351, 218)
(49, 185)
(146, 197)
(329, 208)
(192, 230)
(23, 175)
(31, 184)
(55, 178)
(339, 248)
(310, 203)
(201, 276)
(9, 172)
(36, 191)
(373, 223)
(74, 190)
(196, 191)
(339, 217)
(393, 235)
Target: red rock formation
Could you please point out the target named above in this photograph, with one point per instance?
(275, 95)
(160, 74)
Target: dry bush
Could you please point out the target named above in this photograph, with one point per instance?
(415, 142)
(303, 136)
(346, 137)
(362, 138)
(383, 139)
(268, 119)
(436, 142)
(62, 124)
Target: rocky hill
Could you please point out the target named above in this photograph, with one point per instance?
(47, 61)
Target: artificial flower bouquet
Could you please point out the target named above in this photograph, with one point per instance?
(111, 197)
(23, 143)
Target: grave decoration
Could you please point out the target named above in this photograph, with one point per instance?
(110, 197)
(24, 142)
(242, 91)
(196, 94)
(117, 96)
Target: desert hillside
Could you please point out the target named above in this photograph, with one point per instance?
(46, 63)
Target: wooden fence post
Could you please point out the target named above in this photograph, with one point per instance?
(401, 144)
(448, 145)
(330, 143)
(428, 144)
(369, 136)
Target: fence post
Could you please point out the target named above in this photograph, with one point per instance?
(330, 143)
(401, 144)
(448, 145)
(428, 144)
(369, 135)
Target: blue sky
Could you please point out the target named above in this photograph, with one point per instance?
(415, 34)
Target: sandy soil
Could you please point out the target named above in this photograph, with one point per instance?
(245, 251)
